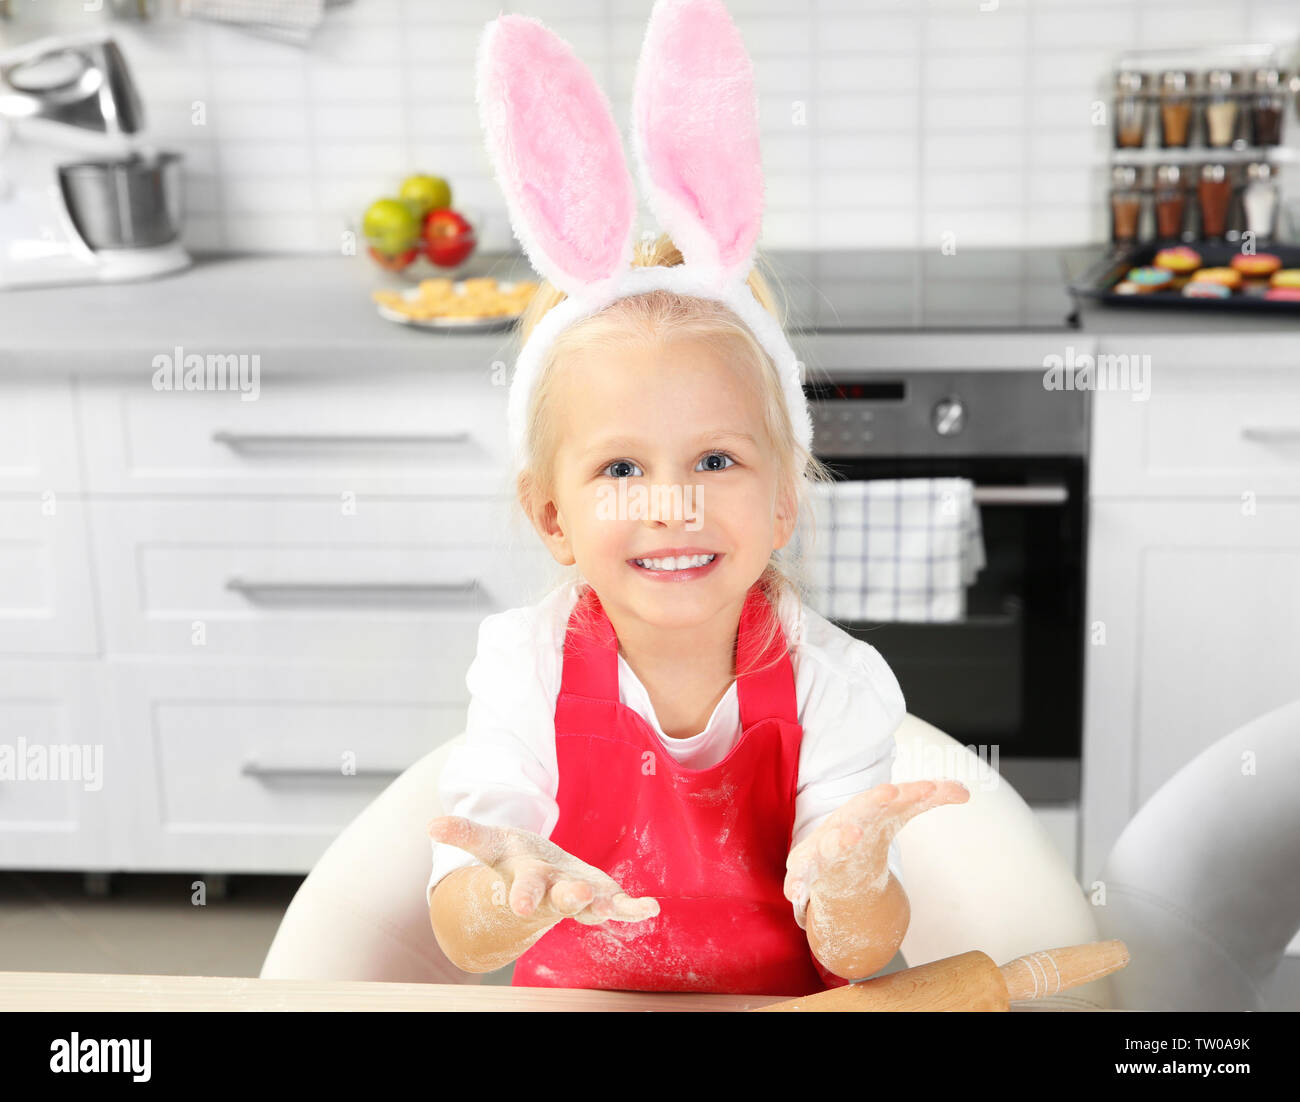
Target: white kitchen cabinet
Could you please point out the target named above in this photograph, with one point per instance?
(1206, 430)
(38, 437)
(365, 432)
(1194, 629)
(57, 805)
(1193, 608)
(46, 603)
(256, 767)
(304, 581)
(262, 611)
(46, 597)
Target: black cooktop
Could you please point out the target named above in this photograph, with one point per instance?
(902, 289)
(874, 290)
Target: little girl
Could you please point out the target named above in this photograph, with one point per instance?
(669, 749)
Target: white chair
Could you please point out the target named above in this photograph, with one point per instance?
(1203, 885)
(982, 875)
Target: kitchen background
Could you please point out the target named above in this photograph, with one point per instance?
(885, 122)
(887, 125)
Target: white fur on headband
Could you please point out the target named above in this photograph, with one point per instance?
(682, 280)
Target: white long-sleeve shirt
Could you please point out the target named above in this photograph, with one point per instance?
(505, 771)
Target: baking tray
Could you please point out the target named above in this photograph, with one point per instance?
(1096, 284)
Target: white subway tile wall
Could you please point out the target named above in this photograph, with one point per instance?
(885, 122)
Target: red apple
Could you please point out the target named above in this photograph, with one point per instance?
(448, 238)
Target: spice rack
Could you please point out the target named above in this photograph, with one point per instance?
(1227, 113)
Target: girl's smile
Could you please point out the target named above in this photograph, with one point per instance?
(677, 564)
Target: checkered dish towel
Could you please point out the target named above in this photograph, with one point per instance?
(902, 549)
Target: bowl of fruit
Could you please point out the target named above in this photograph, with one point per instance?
(417, 232)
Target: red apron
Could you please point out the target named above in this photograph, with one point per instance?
(709, 844)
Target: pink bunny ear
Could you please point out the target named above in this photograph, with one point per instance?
(695, 135)
(557, 155)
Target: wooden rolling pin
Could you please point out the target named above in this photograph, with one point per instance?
(971, 981)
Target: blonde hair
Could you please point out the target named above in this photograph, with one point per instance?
(662, 317)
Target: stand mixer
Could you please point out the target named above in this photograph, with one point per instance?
(114, 217)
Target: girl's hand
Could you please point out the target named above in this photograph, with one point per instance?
(849, 851)
(541, 879)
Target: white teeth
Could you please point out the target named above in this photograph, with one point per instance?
(681, 562)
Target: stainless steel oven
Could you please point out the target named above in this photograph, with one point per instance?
(1010, 674)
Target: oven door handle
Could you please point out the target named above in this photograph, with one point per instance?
(1022, 495)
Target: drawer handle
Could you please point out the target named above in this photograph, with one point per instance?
(304, 592)
(1021, 495)
(246, 441)
(255, 768)
(1272, 434)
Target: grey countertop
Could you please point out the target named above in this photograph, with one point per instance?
(314, 313)
(310, 312)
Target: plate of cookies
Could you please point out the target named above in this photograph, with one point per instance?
(1200, 275)
(475, 305)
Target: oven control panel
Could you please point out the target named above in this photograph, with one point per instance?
(945, 413)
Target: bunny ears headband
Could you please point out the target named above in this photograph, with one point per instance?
(558, 158)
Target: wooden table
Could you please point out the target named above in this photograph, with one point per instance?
(82, 991)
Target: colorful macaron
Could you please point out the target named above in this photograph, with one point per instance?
(1178, 259)
(1149, 278)
(1287, 277)
(1205, 289)
(1126, 287)
(1229, 277)
(1256, 265)
(1283, 294)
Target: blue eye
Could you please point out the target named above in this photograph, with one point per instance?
(610, 469)
(717, 455)
(620, 463)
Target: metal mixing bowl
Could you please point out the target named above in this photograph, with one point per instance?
(131, 203)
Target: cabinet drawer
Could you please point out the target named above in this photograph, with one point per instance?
(393, 433)
(1192, 614)
(1208, 432)
(302, 581)
(38, 442)
(257, 767)
(45, 583)
(59, 772)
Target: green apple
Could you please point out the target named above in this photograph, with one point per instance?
(390, 226)
(426, 193)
